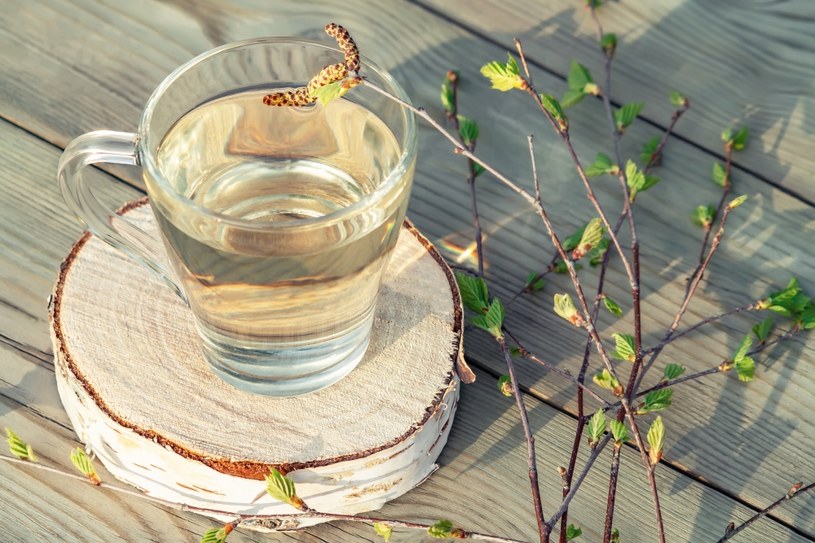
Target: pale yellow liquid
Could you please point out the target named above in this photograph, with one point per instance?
(303, 282)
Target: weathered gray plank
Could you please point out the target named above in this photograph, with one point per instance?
(738, 62)
(484, 460)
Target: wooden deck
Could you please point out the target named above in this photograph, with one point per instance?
(68, 67)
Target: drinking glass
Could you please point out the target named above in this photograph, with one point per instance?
(277, 222)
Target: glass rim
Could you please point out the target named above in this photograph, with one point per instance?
(147, 159)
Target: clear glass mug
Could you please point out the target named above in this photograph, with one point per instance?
(278, 222)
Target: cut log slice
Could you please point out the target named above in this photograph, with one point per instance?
(144, 401)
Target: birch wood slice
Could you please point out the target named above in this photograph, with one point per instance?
(142, 398)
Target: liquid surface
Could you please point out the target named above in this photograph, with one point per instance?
(301, 287)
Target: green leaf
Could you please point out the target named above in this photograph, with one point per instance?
(677, 99)
(626, 115)
(474, 294)
(602, 165)
(744, 348)
(608, 43)
(515, 351)
(571, 98)
(649, 149)
(504, 77)
(468, 129)
(505, 385)
(592, 235)
(329, 92)
(727, 135)
(762, 330)
(656, 439)
(673, 371)
(551, 105)
(441, 529)
(534, 282)
(619, 431)
(736, 202)
(637, 181)
(565, 309)
(806, 319)
(214, 535)
(596, 255)
(704, 216)
(82, 462)
(720, 175)
(746, 369)
(281, 488)
(612, 306)
(656, 401)
(740, 138)
(615, 536)
(448, 100)
(19, 448)
(625, 347)
(578, 77)
(596, 427)
(492, 320)
(478, 169)
(785, 301)
(562, 268)
(573, 532)
(593, 3)
(605, 380)
(383, 530)
(571, 242)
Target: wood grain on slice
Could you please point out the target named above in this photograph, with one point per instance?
(129, 362)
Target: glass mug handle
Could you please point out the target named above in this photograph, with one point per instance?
(115, 148)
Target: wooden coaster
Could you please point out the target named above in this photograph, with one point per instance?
(140, 395)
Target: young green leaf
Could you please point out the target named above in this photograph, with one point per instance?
(637, 180)
(704, 216)
(787, 301)
(605, 380)
(727, 135)
(216, 535)
(656, 439)
(736, 202)
(593, 3)
(592, 235)
(561, 267)
(806, 319)
(746, 369)
(534, 282)
(554, 108)
(743, 349)
(473, 290)
(492, 320)
(478, 169)
(281, 488)
(505, 385)
(572, 97)
(608, 43)
(619, 431)
(612, 306)
(330, 92)
(720, 175)
(598, 253)
(565, 309)
(602, 165)
(672, 371)
(468, 129)
(448, 97)
(383, 530)
(615, 536)
(678, 100)
(515, 351)
(441, 529)
(596, 427)
(82, 462)
(656, 401)
(740, 138)
(504, 77)
(579, 77)
(762, 330)
(573, 532)
(626, 115)
(19, 448)
(650, 149)
(570, 243)
(625, 348)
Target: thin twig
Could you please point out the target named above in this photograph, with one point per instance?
(795, 491)
(661, 345)
(612, 488)
(535, 178)
(657, 154)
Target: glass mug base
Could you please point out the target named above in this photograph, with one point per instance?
(286, 370)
